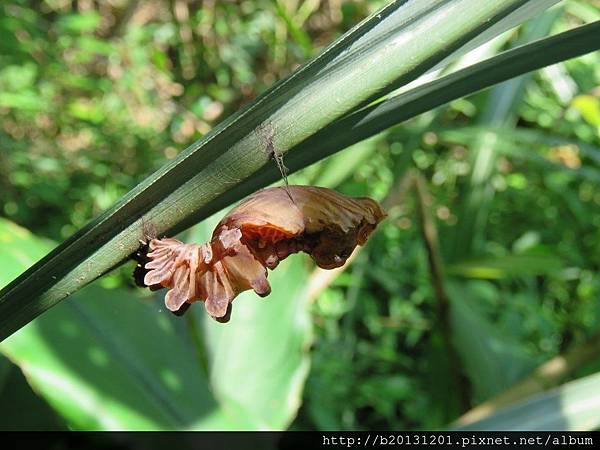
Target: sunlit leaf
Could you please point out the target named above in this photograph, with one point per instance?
(574, 406)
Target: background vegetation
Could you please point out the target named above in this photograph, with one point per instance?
(485, 270)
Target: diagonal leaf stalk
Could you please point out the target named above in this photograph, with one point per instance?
(392, 47)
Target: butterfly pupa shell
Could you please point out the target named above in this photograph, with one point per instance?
(279, 221)
(204, 272)
(257, 234)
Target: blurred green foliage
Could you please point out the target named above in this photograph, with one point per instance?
(94, 96)
(93, 99)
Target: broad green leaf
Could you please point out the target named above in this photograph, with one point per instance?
(96, 368)
(384, 52)
(110, 359)
(574, 406)
(260, 362)
(106, 360)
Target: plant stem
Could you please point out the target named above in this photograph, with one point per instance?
(436, 268)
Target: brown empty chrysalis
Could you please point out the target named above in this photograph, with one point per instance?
(261, 231)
